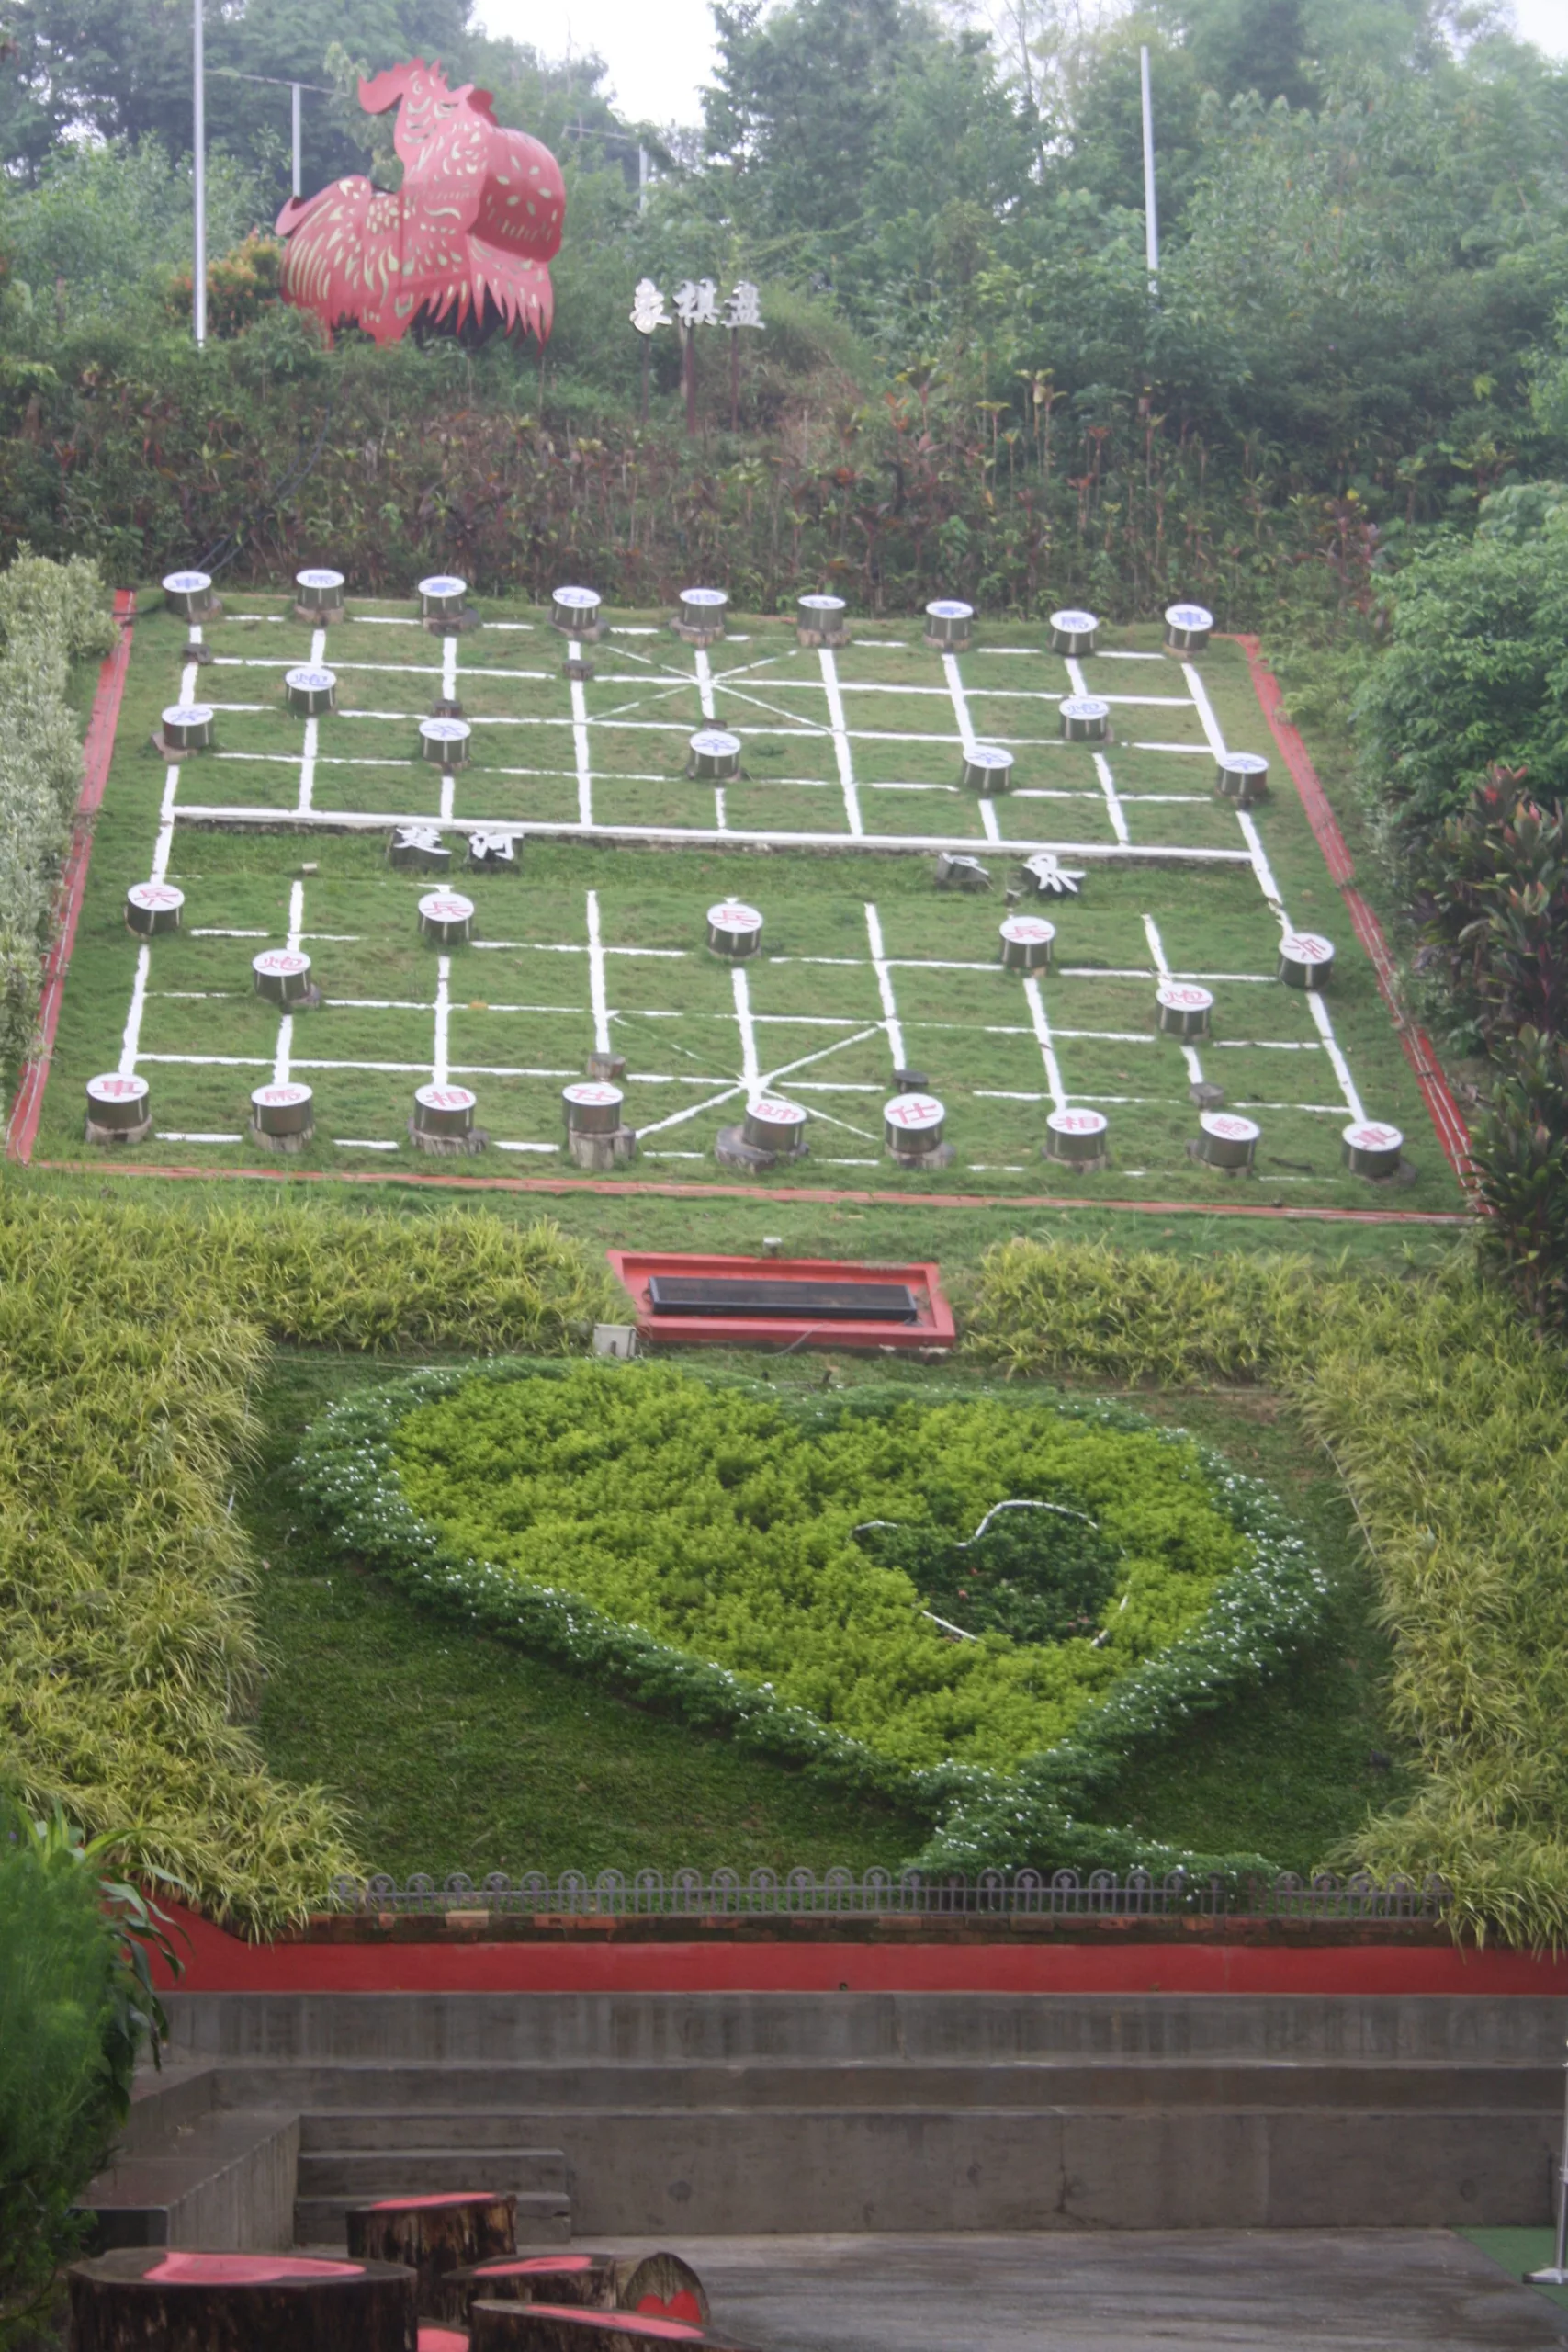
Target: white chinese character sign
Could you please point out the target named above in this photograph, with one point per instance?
(696, 304)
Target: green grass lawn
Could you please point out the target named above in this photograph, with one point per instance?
(517, 1009)
(457, 1751)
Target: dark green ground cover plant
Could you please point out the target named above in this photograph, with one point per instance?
(773, 1628)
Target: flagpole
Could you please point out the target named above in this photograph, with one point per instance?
(199, 275)
(1151, 211)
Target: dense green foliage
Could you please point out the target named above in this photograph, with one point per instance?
(78, 2009)
(1446, 1419)
(50, 616)
(129, 1341)
(1362, 264)
(721, 1524)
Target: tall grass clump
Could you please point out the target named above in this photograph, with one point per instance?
(50, 615)
(129, 1338)
(1447, 1417)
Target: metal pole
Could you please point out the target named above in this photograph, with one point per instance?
(1557, 2276)
(198, 274)
(293, 91)
(641, 178)
(1151, 210)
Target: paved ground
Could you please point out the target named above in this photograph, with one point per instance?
(1121, 2292)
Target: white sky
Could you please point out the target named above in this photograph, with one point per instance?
(660, 52)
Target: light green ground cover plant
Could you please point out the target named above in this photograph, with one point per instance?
(1448, 1420)
(50, 616)
(691, 1539)
(130, 1339)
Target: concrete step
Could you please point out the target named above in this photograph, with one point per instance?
(544, 2217)
(401, 2168)
(225, 2178)
(473, 2128)
(498, 2029)
(465, 2104)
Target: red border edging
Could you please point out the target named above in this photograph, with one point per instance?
(1445, 1116)
(21, 1131)
(216, 1962)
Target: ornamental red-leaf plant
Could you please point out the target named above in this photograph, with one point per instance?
(463, 246)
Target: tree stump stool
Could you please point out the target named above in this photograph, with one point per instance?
(562, 2327)
(663, 2286)
(169, 2299)
(433, 2236)
(589, 2279)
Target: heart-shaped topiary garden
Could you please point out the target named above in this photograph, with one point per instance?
(982, 1596)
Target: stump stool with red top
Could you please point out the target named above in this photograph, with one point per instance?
(564, 2327)
(174, 2299)
(434, 2236)
(589, 2279)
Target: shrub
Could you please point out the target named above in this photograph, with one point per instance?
(1475, 673)
(128, 1337)
(1445, 1418)
(50, 615)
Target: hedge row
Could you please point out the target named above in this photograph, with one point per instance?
(1448, 1420)
(129, 1338)
(50, 616)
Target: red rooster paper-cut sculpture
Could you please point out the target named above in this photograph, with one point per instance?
(466, 243)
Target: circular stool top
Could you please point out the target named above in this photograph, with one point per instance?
(311, 681)
(1229, 1127)
(1083, 706)
(731, 915)
(1028, 931)
(281, 961)
(444, 730)
(446, 906)
(1076, 624)
(318, 578)
(716, 744)
(712, 598)
(1184, 996)
(1077, 1123)
(155, 898)
(183, 2269)
(987, 755)
(949, 608)
(1371, 1135)
(436, 1098)
(441, 583)
(1188, 617)
(1306, 947)
(1243, 763)
(188, 714)
(822, 604)
(593, 1094)
(187, 583)
(776, 1111)
(577, 600)
(112, 1088)
(283, 1094)
(914, 1114)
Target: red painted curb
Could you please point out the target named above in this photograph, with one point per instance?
(218, 1962)
(1445, 1116)
(1010, 1202)
(21, 1131)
